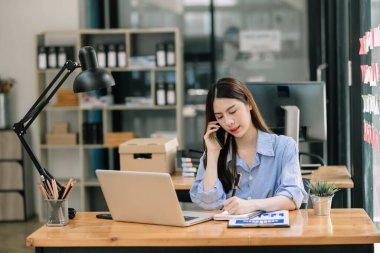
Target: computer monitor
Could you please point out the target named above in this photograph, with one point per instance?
(309, 97)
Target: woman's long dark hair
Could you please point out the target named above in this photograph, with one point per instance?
(230, 87)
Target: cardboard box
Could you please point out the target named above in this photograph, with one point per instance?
(66, 97)
(148, 154)
(61, 127)
(61, 139)
(115, 139)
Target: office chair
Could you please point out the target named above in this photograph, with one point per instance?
(306, 185)
(316, 157)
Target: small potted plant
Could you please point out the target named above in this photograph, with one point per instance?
(321, 194)
(5, 88)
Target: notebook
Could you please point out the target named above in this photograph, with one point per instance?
(145, 197)
(271, 219)
(226, 216)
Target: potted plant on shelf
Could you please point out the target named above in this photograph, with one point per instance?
(5, 88)
(321, 194)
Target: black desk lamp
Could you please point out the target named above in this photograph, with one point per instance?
(91, 78)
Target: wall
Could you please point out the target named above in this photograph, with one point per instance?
(20, 21)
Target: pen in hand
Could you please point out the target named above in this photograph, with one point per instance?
(236, 184)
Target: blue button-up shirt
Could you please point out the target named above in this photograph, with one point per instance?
(275, 171)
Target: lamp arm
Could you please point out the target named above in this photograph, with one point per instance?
(32, 156)
(21, 126)
(38, 106)
(44, 102)
(42, 95)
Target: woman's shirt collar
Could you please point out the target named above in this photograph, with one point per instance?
(264, 145)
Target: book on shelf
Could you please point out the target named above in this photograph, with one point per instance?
(270, 219)
(226, 216)
(189, 172)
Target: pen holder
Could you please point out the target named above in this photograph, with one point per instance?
(56, 212)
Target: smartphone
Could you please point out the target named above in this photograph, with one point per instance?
(104, 216)
(220, 137)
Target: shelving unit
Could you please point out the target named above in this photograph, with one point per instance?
(65, 161)
(16, 202)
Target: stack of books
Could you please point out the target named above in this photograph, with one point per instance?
(188, 160)
(189, 167)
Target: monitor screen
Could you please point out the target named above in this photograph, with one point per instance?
(309, 97)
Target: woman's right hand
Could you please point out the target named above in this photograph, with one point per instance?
(209, 137)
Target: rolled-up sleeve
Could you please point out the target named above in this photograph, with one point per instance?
(291, 184)
(209, 200)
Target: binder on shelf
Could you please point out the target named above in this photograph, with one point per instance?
(170, 92)
(61, 57)
(42, 60)
(170, 54)
(97, 160)
(160, 55)
(52, 57)
(121, 56)
(101, 55)
(111, 56)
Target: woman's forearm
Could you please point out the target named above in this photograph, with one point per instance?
(211, 173)
(274, 204)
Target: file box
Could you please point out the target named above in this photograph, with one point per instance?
(148, 154)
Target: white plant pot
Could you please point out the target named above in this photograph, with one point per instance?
(321, 205)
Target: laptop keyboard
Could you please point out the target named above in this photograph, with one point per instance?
(189, 218)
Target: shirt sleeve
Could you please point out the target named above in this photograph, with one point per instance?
(210, 200)
(291, 184)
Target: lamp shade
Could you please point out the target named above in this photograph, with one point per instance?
(91, 77)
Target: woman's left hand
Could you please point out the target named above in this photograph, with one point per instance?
(235, 205)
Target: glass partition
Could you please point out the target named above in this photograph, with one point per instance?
(373, 118)
(262, 40)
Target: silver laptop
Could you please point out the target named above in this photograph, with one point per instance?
(145, 197)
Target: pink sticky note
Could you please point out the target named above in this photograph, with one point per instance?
(361, 50)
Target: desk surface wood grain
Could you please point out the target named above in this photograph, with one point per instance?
(180, 182)
(343, 226)
(334, 174)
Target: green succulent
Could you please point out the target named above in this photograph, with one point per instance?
(323, 189)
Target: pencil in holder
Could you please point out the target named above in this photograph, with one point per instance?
(56, 212)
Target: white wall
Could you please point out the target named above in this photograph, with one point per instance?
(20, 22)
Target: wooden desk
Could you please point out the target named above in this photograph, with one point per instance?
(345, 230)
(180, 182)
(182, 186)
(334, 174)
(340, 177)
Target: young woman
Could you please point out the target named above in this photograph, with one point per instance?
(270, 176)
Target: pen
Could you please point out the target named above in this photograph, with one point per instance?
(236, 184)
(254, 214)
